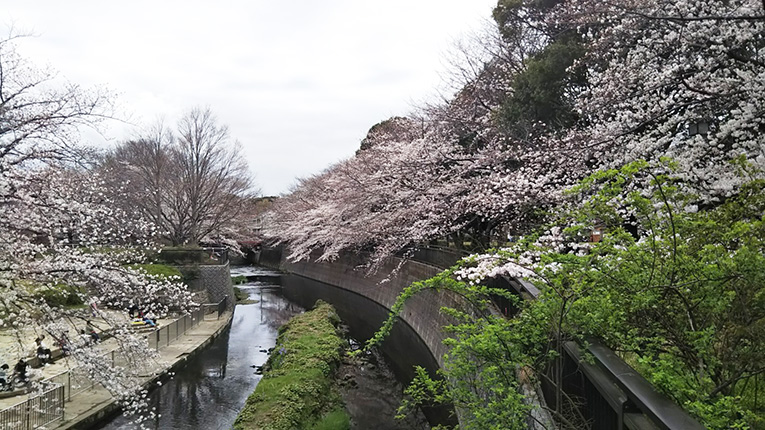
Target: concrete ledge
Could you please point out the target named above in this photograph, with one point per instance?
(90, 407)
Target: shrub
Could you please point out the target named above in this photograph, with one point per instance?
(61, 295)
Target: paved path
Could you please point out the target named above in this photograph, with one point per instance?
(88, 406)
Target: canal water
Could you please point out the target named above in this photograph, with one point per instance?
(209, 392)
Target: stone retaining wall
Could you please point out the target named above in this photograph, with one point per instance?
(420, 312)
(214, 279)
(217, 281)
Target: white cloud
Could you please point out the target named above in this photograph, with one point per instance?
(299, 83)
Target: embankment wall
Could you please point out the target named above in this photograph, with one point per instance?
(421, 313)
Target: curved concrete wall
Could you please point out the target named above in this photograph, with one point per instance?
(421, 312)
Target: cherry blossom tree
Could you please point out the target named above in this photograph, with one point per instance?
(62, 234)
(637, 79)
(673, 79)
(624, 83)
(451, 173)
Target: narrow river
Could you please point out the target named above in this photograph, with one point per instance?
(209, 392)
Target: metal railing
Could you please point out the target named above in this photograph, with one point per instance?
(193, 256)
(76, 380)
(35, 412)
(166, 334)
(216, 309)
(437, 256)
(47, 407)
(616, 396)
(170, 332)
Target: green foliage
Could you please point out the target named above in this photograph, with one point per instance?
(335, 420)
(481, 364)
(682, 299)
(539, 91)
(297, 390)
(243, 298)
(679, 293)
(158, 270)
(512, 15)
(60, 295)
(240, 295)
(238, 280)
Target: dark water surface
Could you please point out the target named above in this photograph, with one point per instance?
(209, 392)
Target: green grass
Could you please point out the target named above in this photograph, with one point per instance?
(297, 389)
(161, 270)
(335, 420)
(61, 295)
(240, 295)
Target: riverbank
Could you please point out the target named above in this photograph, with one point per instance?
(211, 389)
(298, 389)
(89, 407)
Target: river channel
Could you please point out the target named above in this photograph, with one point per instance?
(209, 392)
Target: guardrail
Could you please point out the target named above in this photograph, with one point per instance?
(170, 332)
(47, 407)
(437, 256)
(616, 396)
(181, 256)
(216, 309)
(35, 412)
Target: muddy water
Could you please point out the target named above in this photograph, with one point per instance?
(372, 395)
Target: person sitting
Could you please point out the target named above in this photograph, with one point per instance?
(20, 371)
(135, 312)
(43, 352)
(64, 343)
(86, 338)
(92, 331)
(4, 384)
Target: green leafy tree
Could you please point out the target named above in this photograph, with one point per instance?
(541, 92)
(676, 291)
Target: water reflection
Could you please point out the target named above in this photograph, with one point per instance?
(209, 392)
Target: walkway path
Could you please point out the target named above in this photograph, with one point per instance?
(89, 406)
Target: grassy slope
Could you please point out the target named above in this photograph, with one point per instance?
(297, 390)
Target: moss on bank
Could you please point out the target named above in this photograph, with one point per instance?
(242, 298)
(297, 390)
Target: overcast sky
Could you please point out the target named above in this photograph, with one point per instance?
(298, 83)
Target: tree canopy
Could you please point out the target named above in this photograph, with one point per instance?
(564, 89)
(651, 112)
(193, 183)
(62, 234)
